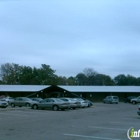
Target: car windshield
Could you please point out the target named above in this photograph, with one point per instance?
(65, 100)
(37, 99)
(27, 99)
(115, 97)
(131, 97)
(79, 99)
(2, 100)
(58, 100)
(72, 99)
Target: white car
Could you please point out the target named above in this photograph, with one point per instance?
(7, 99)
(3, 104)
(135, 100)
(73, 103)
(138, 110)
(82, 102)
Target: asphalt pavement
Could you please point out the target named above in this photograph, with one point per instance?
(99, 122)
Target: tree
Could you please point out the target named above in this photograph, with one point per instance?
(26, 76)
(10, 73)
(102, 79)
(15, 74)
(1, 82)
(131, 80)
(120, 80)
(89, 72)
(138, 81)
(81, 79)
(91, 76)
(46, 74)
(61, 80)
(71, 81)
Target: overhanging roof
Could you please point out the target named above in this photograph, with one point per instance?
(37, 88)
(22, 88)
(101, 88)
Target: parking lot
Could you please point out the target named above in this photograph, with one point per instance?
(99, 122)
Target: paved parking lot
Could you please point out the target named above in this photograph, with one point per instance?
(100, 122)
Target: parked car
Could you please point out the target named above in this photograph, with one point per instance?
(89, 103)
(7, 99)
(78, 103)
(21, 101)
(51, 103)
(2, 96)
(111, 99)
(73, 104)
(128, 99)
(3, 104)
(82, 102)
(135, 100)
(138, 110)
(37, 99)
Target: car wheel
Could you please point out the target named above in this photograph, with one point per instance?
(55, 108)
(35, 107)
(12, 105)
(134, 102)
(27, 105)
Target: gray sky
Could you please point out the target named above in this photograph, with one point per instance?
(70, 35)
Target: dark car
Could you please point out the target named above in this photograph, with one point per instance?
(128, 99)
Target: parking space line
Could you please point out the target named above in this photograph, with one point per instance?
(126, 123)
(130, 118)
(91, 137)
(35, 112)
(109, 128)
(13, 114)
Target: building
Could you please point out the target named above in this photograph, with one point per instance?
(93, 93)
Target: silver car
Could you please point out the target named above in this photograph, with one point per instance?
(73, 103)
(36, 99)
(51, 103)
(83, 103)
(21, 101)
(3, 104)
(7, 99)
(111, 99)
(135, 100)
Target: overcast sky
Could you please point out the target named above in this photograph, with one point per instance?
(70, 35)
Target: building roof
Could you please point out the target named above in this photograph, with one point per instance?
(36, 88)
(101, 88)
(22, 88)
